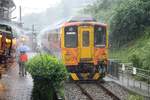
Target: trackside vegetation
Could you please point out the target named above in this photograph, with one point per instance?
(48, 74)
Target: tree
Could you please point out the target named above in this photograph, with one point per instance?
(130, 19)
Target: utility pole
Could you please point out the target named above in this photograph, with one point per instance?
(20, 15)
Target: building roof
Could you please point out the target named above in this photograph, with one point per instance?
(7, 3)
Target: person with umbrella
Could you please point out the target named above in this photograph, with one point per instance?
(22, 58)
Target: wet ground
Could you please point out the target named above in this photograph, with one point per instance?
(15, 87)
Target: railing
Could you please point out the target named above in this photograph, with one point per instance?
(134, 78)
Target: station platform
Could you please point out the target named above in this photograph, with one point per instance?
(15, 87)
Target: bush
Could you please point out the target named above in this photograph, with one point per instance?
(43, 90)
(136, 61)
(48, 74)
(146, 61)
(46, 66)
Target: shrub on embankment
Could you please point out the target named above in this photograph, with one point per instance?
(46, 69)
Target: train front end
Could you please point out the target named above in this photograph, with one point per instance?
(84, 50)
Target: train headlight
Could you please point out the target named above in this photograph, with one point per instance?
(0, 36)
(8, 40)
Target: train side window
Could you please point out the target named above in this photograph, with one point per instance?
(71, 37)
(85, 38)
(99, 36)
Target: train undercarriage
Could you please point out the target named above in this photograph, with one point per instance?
(87, 72)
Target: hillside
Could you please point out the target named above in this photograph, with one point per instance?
(136, 51)
(129, 28)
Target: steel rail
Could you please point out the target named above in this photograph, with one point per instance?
(84, 91)
(108, 91)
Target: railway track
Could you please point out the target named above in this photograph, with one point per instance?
(90, 91)
(73, 92)
(114, 97)
(84, 91)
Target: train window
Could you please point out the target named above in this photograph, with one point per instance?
(99, 36)
(71, 37)
(85, 38)
(5, 28)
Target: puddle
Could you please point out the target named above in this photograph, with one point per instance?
(3, 88)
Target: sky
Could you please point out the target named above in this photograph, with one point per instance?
(33, 6)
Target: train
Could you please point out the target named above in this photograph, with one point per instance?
(7, 44)
(82, 44)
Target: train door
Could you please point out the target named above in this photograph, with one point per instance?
(85, 42)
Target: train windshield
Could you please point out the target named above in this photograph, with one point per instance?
(99, 36)
(5, 28)
(71, 37)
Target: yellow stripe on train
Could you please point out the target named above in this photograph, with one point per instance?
(74, 76)
(96, 76)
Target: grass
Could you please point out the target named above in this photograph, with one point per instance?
(139, 47)
(134, 96)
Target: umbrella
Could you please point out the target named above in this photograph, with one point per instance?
(24, 48)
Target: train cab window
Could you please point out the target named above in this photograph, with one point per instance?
(85, 38)
(5, 28)
(71, 37)
(99, 36)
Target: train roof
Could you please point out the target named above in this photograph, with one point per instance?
(83, 23)
(57, 27)
(72, 21)
(81, 19)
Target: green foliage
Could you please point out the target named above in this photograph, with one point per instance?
(102, 10)
(46, 66)
(135, 97)
(136, 52)
(43, 90)
(146, 61)
(136, 61)
(129, 20)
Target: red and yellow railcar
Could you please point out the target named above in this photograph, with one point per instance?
(82, 45)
